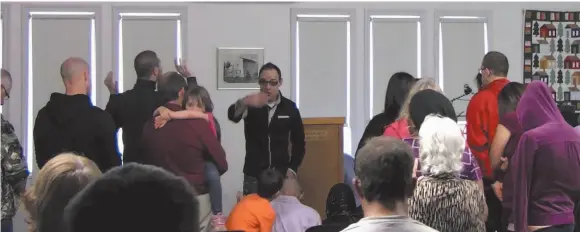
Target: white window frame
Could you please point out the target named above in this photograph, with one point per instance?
(452, 16)
(327, 15)
(27, 109)
(163, 15)
(389, 16)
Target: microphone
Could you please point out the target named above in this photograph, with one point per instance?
(467, 90)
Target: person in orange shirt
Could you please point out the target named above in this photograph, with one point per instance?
(254, 213)
(482, 120)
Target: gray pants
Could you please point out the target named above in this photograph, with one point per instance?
(250, 184)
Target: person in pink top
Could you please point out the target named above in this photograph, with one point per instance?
(198, 104)
(402, 127)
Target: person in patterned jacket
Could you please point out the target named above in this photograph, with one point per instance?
(14, 170)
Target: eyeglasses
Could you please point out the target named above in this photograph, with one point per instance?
(270, 82)
(6, 92)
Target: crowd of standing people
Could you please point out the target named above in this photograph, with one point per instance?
(515, 169)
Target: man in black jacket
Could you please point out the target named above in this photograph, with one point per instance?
(270, 122)
(132, 108)
(70, 123)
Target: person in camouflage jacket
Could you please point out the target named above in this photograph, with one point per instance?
(14, 168)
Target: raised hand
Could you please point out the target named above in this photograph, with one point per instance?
(256, 99)
(111, 83)
(181, 67)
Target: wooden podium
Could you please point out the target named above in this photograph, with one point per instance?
(322, 166)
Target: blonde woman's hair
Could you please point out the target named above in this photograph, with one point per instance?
(441, 146)
(422, 84)
(56, 183)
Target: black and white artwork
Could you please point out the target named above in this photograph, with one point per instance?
(238, 67)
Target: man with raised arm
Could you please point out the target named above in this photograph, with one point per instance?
(271, 122)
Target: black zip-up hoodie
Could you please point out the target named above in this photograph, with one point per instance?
(73, 124)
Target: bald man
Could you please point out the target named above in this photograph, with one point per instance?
(70, 122)
(291, 214)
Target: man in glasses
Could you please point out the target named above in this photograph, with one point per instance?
(14, 169)
(482, 120)
(271, 123)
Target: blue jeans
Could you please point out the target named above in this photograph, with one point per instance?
(212, 177)
(7, 225)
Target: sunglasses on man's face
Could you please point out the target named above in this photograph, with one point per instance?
(270, 82)
(6, 92)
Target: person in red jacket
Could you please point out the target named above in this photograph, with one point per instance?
(482, 120)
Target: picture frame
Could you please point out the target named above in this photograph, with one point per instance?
(237, 68)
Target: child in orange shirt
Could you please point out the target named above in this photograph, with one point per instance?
(254, 212)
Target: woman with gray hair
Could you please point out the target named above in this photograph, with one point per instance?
(442, 200)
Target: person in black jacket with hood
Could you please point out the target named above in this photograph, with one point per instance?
(133, 108)
(70, 123)
(271, 122)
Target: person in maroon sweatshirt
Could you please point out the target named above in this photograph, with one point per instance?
(182, 145)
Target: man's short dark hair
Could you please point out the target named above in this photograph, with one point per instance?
(497, 63)
(145, 63)
(384, 167)
(134, 197)
(171, 84)
(270, 182)
(269, 66)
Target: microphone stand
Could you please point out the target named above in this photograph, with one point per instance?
(457, 98)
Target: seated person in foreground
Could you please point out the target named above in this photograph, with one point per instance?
(254, 212)
(384, 182)
(291, 214)
(341, 209)
(441, 199)
(56, 184)
(135, 197)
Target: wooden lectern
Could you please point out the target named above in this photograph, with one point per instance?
(322, 166)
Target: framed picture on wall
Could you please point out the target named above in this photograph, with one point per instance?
(237, 68)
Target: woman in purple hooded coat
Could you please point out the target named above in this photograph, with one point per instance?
(545, 165)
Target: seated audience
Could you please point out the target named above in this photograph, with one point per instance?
(403, 127)
(135, 197)
(61, 178)
(545, 165)
(70, 123)
(254, 212)
(291, 214)
(340, 210)
(426, 102)
(441, 199)
(198, 104)
(505, 141)
(384, 182)
(397, 90)
(180, 142)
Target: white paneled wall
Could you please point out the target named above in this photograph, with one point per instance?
(462, 39)
(322, 58)
(336, 58)
(394, 43)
